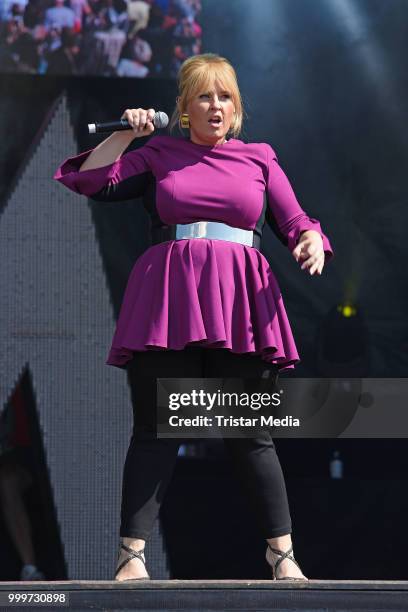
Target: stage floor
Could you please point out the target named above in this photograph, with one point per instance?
(207, 595)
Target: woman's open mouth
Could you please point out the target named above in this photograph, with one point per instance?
(215, 122)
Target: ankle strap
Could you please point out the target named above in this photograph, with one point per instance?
(283, 555)
(136, 553)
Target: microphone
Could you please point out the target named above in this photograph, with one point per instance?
(160, 120)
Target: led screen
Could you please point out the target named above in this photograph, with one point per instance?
(124, 38)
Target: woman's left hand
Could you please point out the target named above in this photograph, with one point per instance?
(309, 251)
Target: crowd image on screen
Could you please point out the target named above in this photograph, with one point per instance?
(124, 38)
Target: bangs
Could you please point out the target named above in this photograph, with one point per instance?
(205, 80)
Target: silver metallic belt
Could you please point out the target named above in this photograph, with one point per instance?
(213, 230)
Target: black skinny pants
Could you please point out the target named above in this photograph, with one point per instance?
(150, 461)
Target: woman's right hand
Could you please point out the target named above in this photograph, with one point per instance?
(141, 120)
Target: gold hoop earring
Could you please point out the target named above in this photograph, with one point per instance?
(184, 121)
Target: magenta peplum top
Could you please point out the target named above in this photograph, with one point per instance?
(212, 293)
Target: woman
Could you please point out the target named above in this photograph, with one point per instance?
(200, 304)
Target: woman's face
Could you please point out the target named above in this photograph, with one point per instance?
(203, 108)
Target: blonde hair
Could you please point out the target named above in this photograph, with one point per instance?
(199, 73)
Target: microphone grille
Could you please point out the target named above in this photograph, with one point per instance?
(160, 119)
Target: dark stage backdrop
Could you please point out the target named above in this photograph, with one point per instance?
(325, 84)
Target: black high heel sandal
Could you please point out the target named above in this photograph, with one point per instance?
(133, 554)
(283, 556)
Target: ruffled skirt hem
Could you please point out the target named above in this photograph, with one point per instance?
(119, 357)
(210, 293)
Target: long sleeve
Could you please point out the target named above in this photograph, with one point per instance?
(290, 219)
(124, 179)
